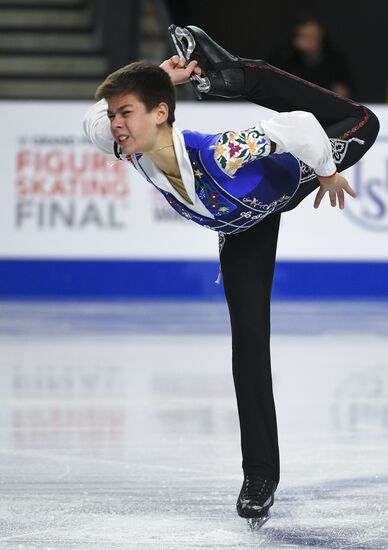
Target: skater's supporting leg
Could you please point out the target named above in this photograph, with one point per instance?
(247, 263)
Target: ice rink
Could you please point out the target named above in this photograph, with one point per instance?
(119, 428)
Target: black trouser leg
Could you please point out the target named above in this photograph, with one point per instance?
(342, 118)
(247, 259)
(247, 263)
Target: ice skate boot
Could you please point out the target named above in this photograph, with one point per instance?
(222, 73)
(255, 499)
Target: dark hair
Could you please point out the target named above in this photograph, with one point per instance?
(303, 18)
(151, 84)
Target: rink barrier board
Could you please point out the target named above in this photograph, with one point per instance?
(75, 223)
(194, 280)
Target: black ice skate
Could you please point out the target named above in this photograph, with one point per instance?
(255, 499)
(222, 74)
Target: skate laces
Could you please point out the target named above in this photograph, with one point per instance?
(257, 488)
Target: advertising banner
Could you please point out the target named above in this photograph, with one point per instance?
(60, 197)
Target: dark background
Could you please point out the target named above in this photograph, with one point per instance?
(254, 28)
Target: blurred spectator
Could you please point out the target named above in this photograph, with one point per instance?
(310, 55)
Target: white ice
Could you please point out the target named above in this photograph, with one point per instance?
(119, 430)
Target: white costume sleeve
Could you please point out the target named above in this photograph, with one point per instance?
(97, 127)
(300, 134)
(297, 132)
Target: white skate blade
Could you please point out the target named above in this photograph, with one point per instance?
(255, 524)
(184, 43)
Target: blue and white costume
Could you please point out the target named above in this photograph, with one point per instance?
(235, 179)
(232, 178)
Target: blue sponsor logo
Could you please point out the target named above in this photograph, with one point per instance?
(370, 208)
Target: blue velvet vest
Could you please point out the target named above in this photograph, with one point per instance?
(256, 190)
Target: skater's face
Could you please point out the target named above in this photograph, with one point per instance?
(135, 129)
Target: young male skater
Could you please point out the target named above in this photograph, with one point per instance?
(237, 182)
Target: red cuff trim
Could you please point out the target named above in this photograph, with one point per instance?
(333, 174)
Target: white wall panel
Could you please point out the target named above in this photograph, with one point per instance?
(61, 198)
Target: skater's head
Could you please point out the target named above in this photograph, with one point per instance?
(141, 103)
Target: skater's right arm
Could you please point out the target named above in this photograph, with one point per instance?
(96, 126)
(177, 71)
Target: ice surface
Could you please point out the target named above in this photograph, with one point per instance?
(118, 433)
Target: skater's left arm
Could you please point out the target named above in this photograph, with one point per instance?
(300, 134)
(336, 186)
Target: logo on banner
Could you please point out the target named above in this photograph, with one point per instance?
(370, 208)
(62, 182)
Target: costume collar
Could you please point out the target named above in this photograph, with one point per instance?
(184, 164)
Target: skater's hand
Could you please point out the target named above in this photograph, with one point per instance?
(335, 185)
(178, 72)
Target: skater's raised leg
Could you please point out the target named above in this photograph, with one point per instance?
(352, 126)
